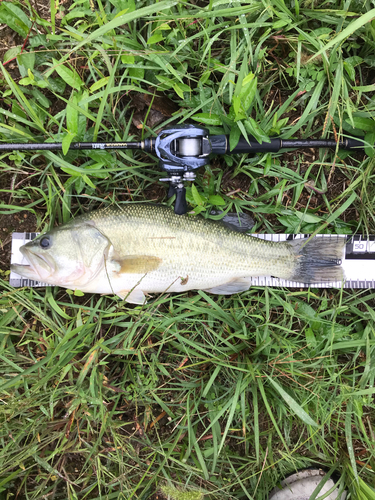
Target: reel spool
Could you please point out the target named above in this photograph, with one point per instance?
(181, 151)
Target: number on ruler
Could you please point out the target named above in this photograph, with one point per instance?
(359, 246)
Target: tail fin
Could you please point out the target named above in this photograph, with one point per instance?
(318, 260)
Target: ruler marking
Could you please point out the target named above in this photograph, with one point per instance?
(358, 262)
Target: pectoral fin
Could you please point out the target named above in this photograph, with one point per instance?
(136, 264)
(134, 296)
(233, 286)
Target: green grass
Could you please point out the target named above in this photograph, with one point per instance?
(218, 397)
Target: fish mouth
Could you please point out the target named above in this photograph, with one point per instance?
(38, 267)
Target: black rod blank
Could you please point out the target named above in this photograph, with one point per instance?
(57, 146)
(322, 143)
(219, 143)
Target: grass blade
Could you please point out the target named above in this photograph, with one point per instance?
(293, 405)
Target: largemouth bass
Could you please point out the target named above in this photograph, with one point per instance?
(134, 250)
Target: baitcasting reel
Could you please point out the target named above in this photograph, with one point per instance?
(184, 148)
(181, 151)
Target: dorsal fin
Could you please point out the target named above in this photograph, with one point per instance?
(240, 222)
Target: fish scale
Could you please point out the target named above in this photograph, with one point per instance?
(203, 249)
(136, 249)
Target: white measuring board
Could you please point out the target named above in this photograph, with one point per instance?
(358, 262)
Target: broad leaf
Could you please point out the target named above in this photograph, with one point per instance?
(127, 59)
(370, 139)
(26, 62)
(365, 124)
(207, 118)
(248, 92)
(217, 200)
(67, 140)
(72, 117)
(99, 84)
(158, 37)
(308, 218)
(234, 136)
(11, 53)
(253, 128)
(15, 18)
(197, 197)
(71, 77)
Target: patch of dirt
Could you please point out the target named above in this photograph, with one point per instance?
(156, 108)
(9, 38)
(22, 221)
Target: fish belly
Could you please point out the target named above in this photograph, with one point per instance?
(193, 255)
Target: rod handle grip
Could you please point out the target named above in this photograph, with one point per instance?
(220, 145)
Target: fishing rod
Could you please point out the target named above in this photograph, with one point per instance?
(184, 148)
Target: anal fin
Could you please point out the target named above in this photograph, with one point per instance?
(235, 285)
(134, 296)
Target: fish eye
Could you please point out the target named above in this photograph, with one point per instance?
(45, 242)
